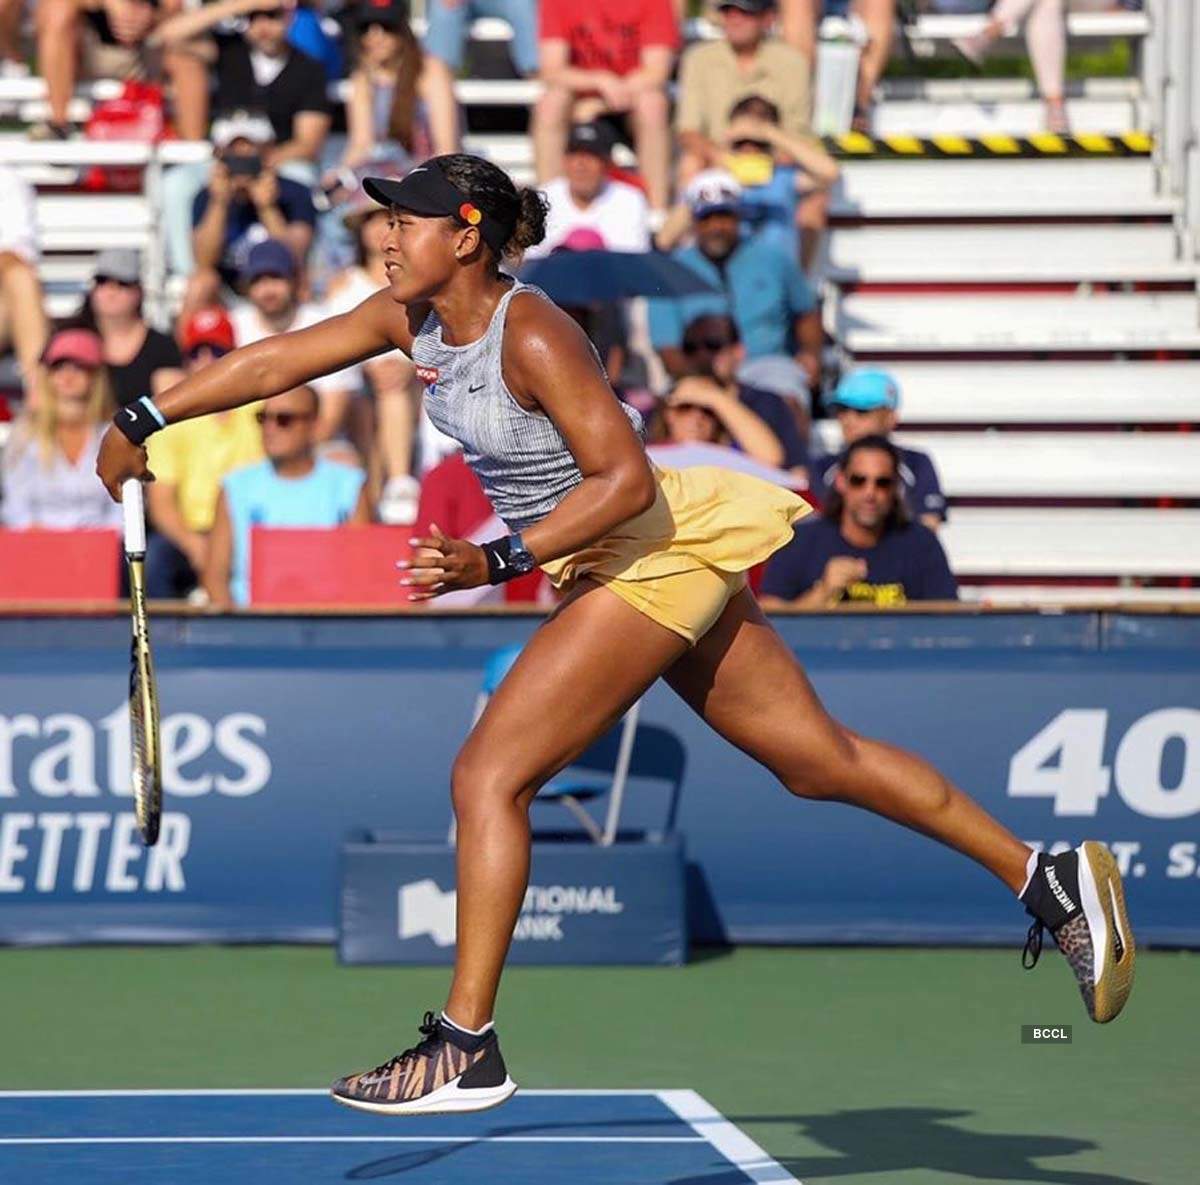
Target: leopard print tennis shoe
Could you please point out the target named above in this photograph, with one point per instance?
(448, 1070)
(1079, 898)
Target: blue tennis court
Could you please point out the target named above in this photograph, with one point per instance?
(300, 1137)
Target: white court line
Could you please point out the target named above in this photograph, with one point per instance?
(727, 1138)
(264, 1092)
(92, 1140)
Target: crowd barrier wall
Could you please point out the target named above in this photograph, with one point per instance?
(285, 736)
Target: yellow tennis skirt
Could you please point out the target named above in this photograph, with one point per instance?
(681, 561)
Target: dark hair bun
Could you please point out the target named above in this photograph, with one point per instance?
(531, 221)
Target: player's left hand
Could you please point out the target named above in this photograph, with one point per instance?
(441, 565)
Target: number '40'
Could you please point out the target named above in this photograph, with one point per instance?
(1065, 761)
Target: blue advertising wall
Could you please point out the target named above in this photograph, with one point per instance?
(283, 737)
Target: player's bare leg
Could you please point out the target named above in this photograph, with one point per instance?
(579, 673)
(745, 682)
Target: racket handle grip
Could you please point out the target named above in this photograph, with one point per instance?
(135, 517)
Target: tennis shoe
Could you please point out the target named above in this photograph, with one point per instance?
(448, 1070)
(1078, 897)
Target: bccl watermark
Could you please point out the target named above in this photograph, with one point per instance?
(1045, 1034)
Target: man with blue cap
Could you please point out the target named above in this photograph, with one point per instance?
(866, 403)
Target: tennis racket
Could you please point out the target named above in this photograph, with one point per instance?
(145, 763)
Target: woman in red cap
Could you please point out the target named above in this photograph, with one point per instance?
(49, 464)
(655, 565)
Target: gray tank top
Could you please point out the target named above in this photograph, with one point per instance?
(519, 456)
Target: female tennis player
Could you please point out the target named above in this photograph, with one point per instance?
(653, 563)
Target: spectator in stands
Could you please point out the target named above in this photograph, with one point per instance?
(293, 487)
(774, 388)
(800, 19)
(12, 58)
(189, 461)
(785, 178)
(271, 284)
(714, 75)
(140, 359)
(586, 197)
(699, 410)
(866, 403)
(604, 322)
(23, 323)
(448, 30)
(245, 202)
(255, 71)
(762, 288)
(49, 465)
(91, 40)
(398, 97)
(260, 71)
(863, 546)
(1046, 37)
(391, 376)
(607, 58)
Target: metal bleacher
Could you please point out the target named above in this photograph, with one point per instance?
(1040, 313)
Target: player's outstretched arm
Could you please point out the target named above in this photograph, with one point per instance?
(257, 372)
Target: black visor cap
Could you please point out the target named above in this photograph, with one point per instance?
(428, 193)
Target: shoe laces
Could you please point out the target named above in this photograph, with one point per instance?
(1033, 945)
(430, 1029)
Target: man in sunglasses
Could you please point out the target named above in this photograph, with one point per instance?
(293, 487)
(863, 547)
(867, 403)
(189, 462)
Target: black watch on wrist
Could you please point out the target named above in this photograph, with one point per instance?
(519, 555)
(507, 558)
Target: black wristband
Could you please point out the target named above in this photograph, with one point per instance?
(139, 419)
(497, 552)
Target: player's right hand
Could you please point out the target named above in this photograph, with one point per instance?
(120, 459)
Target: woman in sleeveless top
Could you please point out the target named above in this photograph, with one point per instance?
(654, 562)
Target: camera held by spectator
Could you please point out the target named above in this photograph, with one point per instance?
(245, 201)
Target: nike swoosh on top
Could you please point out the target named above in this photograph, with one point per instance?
(478, 387)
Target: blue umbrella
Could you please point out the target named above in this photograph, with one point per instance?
(597, 277)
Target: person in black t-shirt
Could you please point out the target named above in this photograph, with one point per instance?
(245, 202)
(257, 69)
(863, 547)
(141, 361)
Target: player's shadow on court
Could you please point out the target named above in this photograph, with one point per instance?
(406, 1162)
(899, 1139)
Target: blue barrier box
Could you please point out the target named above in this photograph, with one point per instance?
(584, 904)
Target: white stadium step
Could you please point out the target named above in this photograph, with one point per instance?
(889, 324)
(1048, 392)
(1038, 596)
(998, 188)
(85, 222)
(1017, 118)
(977, 89)
(1063, 464)
(983, 254)
(986, 541)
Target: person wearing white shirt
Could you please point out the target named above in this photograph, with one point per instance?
(586, 197)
